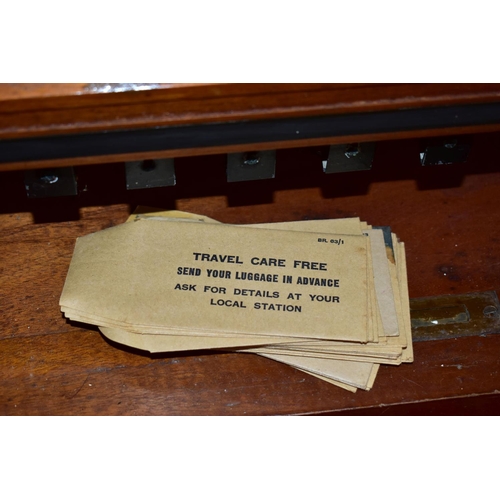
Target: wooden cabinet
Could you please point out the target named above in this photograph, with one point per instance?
(448, 216)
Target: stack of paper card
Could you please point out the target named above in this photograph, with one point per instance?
(328, 297)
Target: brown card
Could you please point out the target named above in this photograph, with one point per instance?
(220, 278)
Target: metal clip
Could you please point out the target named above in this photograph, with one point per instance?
(444, 151)
(47, 183)
(349, 157)
(150, 173)
(251, 166)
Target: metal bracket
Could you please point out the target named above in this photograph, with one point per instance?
(451, 316)
(251, 166)
(349, 157)
(150, 173)
(444, 151)
(48, 183)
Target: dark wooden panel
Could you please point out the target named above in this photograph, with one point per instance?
(42, 110)
(472, 405)
(78, 372)
(76, 108)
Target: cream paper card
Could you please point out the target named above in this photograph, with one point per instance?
(220, 278)
(346, 225)
(335, 226)
(157, 343)
(359, 375)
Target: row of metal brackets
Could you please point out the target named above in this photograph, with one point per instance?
(248, 166)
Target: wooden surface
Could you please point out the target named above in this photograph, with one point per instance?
(448, 217)
(41, 110)
(78, 108)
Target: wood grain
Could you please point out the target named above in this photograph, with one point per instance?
(448, 217)
(38, 111)
(81, 373)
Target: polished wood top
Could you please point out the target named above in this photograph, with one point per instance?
(79, 108)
